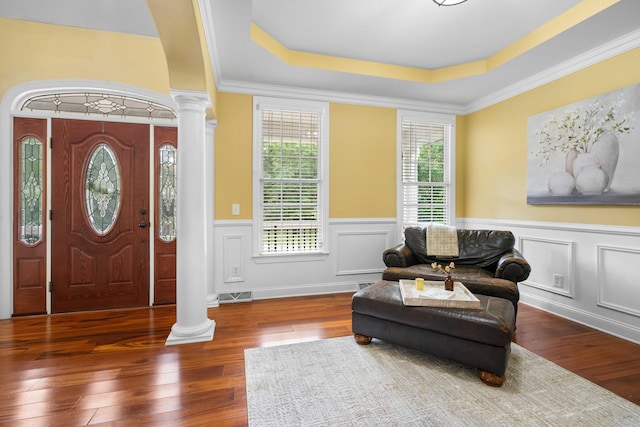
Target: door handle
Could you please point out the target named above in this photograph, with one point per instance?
(143, 224)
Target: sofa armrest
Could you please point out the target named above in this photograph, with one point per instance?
(512, 266)
(398, 256)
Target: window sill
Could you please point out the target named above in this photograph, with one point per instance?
(282, 258)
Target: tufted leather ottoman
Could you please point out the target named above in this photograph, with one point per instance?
(476, 337)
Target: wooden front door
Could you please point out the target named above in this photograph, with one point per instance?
(99, 215)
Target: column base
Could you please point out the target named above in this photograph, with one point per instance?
(184, 337)
(213, 301)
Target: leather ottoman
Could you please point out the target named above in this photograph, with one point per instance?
(476, 337)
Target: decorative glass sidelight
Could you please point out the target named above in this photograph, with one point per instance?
(168, 190)
(31, 191)
(102, 189)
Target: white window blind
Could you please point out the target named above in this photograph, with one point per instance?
(291, 190)
(426, 172)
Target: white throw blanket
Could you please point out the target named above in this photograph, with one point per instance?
(442, 240)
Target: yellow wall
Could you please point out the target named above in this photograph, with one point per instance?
(42, 52)
(491, 143)
(461, 164)
(494, 183)
(233, 151)
(362, 169)
(179, 24)
(362, 165)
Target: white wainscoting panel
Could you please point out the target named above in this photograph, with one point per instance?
(552, 264)
(355, 256)
(361, 251)
(618, 287)
(600, 265)
(233, 256)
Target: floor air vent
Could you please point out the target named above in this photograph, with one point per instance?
(362, 285)
(235, 297)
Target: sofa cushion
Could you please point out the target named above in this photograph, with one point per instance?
(477, 280)
(481, 248)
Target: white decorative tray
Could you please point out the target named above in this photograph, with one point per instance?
(434, 295)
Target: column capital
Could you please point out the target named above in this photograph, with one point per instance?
(211, 125)
(190, 99)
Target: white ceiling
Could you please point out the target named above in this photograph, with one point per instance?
(122, 16)
(414, 33)
(410, 33)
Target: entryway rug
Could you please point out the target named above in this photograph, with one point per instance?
(336, 382)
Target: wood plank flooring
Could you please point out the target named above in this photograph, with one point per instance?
(112, 367)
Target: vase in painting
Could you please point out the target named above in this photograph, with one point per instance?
(607, 150)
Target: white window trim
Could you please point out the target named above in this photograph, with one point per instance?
(296, 104)
(429, 118)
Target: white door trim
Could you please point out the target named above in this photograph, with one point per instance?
(10, 106)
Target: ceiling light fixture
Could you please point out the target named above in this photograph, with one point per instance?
(448, 2)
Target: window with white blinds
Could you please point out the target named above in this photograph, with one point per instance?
(290, 143)
(427, 192)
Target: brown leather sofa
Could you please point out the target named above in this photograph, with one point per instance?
(488, 263)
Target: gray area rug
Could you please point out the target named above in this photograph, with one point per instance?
(336, 382)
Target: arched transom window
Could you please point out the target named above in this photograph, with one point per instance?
(99, 104)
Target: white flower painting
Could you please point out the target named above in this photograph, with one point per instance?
(587, 152)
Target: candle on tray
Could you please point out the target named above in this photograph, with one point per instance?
(419, 283)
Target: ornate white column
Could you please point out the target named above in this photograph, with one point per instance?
(212, 296)
(193, 250)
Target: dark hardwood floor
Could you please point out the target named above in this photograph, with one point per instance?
(112, 367)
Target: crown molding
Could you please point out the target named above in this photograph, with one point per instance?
(335, 96)
(608, 50)
(495, 223)
(206, 14)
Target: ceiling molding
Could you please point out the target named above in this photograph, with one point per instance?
(561, 23)
(261, 89)
(605, 51)
(608, 50)
(206, 14)
(362, 67)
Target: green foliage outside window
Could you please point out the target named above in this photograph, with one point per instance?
(296, 199)
(431, 162)
(290, 160)
(291, 181)
(431, 198)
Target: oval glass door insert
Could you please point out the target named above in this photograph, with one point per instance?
(102, 189)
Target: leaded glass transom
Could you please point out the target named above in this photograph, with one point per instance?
(99, 104)
(168, 190)
(31, 191)
(102, 189)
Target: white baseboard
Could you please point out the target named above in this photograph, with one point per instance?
(595, 265)
(592, 320)
(318, 289)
